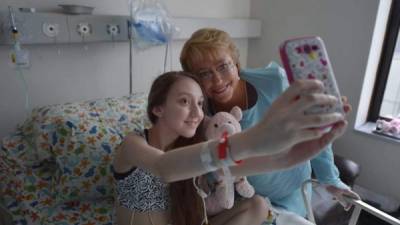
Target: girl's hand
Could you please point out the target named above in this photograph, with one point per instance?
(286, 124)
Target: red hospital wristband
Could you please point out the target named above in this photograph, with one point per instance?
(223, 148)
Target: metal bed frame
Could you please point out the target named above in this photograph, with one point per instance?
(357, 204)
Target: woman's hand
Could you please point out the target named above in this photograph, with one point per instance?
(309, 149)
(285, 125)
(340, 195)
(297, 154)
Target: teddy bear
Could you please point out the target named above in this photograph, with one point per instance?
(221, 189)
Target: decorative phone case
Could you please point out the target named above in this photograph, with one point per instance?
(306, 58)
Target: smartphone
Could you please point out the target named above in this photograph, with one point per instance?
(307, 58)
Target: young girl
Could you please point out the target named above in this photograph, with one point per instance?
(144, 166)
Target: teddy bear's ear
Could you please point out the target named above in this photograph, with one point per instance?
(237, 113)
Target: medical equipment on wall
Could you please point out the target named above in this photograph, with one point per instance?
(19, 57)
(50, 28)
(149, 25)
(57, 29)
(19, 28)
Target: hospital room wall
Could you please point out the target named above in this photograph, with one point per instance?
(72, 72)
(346, 27)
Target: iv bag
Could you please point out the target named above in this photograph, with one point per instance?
(150, 23)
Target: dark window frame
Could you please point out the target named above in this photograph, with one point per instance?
(388, 48)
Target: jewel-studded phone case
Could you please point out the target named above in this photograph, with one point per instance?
(306, 58)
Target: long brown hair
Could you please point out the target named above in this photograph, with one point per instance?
(186, 206)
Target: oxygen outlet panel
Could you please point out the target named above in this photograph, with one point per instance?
(50, 28)
(97, 28)
(34, 28)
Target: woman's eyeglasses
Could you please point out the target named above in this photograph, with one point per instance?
(223, 69)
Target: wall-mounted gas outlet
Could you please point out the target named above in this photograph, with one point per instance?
(35, 28)
(83, 29)
(93, 28)
(51, 29)
(113, 29)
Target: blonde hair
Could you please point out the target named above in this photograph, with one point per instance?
(207, 42)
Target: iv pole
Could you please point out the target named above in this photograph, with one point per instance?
(130, 57)
(130, 45)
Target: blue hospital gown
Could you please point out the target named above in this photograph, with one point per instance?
(283, 188)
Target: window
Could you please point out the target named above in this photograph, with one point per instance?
(385, 102)
(380, 95)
